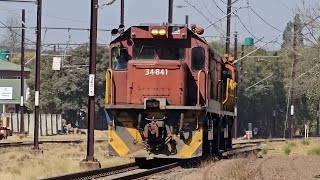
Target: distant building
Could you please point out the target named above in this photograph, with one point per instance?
(10, 75)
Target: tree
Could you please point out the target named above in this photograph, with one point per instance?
(66, 91)
(12, 36)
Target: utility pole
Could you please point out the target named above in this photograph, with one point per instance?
(294, 62)
(170, 13)
(228, 27)
(318, 120)
(187, 21)
(37, 78)
(122, 13)
(90, 161)
(235, 125)
(22, 75)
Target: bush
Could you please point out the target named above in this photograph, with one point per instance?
(264, 150)
(292, 144)
(314, 151)
(287, 149)
(305, 142)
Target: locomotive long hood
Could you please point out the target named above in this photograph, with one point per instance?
(156, 79)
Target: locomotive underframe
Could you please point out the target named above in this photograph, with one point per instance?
(167, 133)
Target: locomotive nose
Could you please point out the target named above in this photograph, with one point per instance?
(156, 83)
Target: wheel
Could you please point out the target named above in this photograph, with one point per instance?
(141, 162)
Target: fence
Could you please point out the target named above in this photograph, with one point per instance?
(49, 124)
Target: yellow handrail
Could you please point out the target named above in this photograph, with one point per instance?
(198, 92)
(227, 91)
(108, 85)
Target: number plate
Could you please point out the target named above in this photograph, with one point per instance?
(156, 72)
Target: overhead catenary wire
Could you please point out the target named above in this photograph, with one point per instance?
(264, 20)
(5, 26)
(205, 5)
(245, 27)
(213, 24)
(256, 49)
(53, 28)
(215, 3)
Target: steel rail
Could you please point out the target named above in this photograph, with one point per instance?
(149, 172)
(96, 173)
(30, 143)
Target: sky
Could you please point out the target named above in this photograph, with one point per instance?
(76, 13)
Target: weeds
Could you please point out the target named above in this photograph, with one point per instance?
(12, 156)
(264, 150)
(292, 144)
(287, 149)
(305, 142)
(242, 169)
(314, 151)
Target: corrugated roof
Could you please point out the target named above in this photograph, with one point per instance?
(9, 66)
(15, 84)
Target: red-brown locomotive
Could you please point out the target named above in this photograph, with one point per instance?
(168, 94)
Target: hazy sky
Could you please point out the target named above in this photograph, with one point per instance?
(76, 13)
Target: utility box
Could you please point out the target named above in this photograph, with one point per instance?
(4, 55)
(248, 41)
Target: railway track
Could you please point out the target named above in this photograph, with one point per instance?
(258, 141)
(30, 143)
(154, 166)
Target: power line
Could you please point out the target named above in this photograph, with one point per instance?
(54, 28)
(214, 2)
(264, 20)
(245, 27)
(205, 5)
(19, 1)
(212, 24)
(14, 31)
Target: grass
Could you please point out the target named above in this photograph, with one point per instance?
(305, 142)
(314, 151)
(287, 149)
(265, 150)
(292, 144)
(243, 169)
(57, 159)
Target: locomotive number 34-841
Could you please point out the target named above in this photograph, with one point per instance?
(156, 72)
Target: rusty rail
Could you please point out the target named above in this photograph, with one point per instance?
(149, 172)
(30, 143)
(96, 173)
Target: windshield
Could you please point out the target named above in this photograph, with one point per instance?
(172, 52)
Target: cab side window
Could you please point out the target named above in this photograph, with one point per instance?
(120, 58)
(197, 58)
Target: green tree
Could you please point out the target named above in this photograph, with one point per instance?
(66, 91)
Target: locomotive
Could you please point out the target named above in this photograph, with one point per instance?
(168, 94)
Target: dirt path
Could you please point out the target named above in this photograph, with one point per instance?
(288, 167)
(279, 167)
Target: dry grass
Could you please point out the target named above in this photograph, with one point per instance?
(294, 147)
(243, 168)
(57, 159)
(238, 168)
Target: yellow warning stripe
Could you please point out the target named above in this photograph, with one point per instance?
(135, 134)
(190, 148)
(118, 145)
